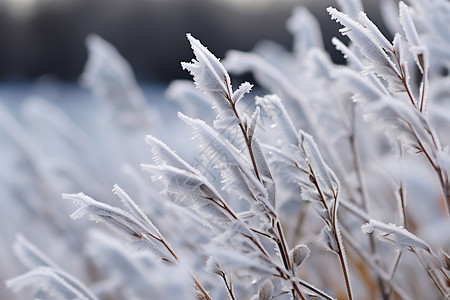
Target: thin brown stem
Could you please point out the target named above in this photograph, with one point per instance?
(401, 191)
(281, 242)
(372, 263)
(283, 248)
(228, 285)
(314, 289)
(444, 183)
(402, 77)
(343, 263)
(297, 289)
(167, 260)
(169, 249)
(222, 205)
(335, 229)
(282, 245)
(257, 244)
(443, 176)
(197, 284)
(431, 274)
(200, 288)
(244, 133)
(279, 238)
(422, 148)
(262, 234)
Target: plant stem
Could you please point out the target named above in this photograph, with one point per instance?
(244, 133)
(443, 178)
(197, 284)
(296, 288)
(432, 275)
(402, 77)
(343, 261)
(442, 174)
(401, 191)
(228, 285)
(444, 182)
(334, 226)
(283, 248)
(200, 288)
(314, 289)
(373, 264)
(280, 239)
(282, 245)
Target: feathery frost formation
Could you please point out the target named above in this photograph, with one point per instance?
(335, 185)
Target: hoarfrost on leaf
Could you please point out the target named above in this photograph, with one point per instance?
(397, 235)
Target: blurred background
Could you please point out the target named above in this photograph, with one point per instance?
(46, 37)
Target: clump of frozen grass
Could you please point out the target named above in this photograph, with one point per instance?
(305, 194)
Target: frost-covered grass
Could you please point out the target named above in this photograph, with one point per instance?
(334, 185)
